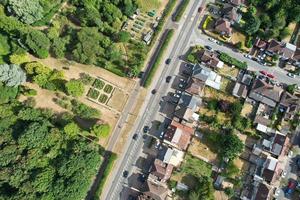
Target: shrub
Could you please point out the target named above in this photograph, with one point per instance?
(98, 84)
(93, 94)
(84, 111)
(103, 98)
(101, 130)
(30, 102)
(30, 92)
(75, 88)
(86, 79)
(108, 88)
(19, 58)
(232, 61)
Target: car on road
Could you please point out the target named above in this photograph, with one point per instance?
(135, 136)
(247, 56)
(208, 47)
(178, 92)
(218, 52)
(168, 61)
(168, 79)
(161, 135)
(154, 91)
(263, 72)
(141, 74)
(125, 174)
(212, 39)
(200, 9)
(291, 75)
(146, 129)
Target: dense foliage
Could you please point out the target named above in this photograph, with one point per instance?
(75, 88)
(39, 159)
(12, 75)
(271, 18)
(231, 146)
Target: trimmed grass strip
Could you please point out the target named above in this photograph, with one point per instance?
(181, 9)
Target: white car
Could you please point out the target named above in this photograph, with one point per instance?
(211, 39)
(161, 135)
(291, 75)
(283, 174)
(277, 192)
(290, 155)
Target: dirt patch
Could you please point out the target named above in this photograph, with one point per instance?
(44, 98)
(130, 122)
(118, 100)
(247, 110)
(76, 68)
(220, 195)
(228, 71)
(215, 94)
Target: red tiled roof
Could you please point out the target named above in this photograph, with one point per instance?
(223, 26)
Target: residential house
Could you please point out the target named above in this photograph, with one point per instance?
(195, 86)
(247, 79)
(186, 110)
(269, 171)
(290, 105)
(209, 77)
(296, 57)
(274, 47)
(173, 157)
(230, 12)
(153, 191)
(210, 59)
(288, 51)
(223, 27)
(161, 171)
(265, 93)
(277, 145)
(178, 135)
(260, 44)
(263, 192)
(240, 90)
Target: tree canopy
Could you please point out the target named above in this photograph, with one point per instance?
(12, 75)
(230, 146)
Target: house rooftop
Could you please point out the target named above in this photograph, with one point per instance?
(247, 78)
(275, 46)
(153, 191)
(208, 76)
(173, 157)
(263, 192)
(161, 170)
(210, 59)
(223, 27)
(261, 44)
(296, 55)
(240, 90)
(231, 13)
(195, 86)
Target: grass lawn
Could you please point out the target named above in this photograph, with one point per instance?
(247, 109)
(228, 71)
(148, 5)
(215, 94)
(227, 86)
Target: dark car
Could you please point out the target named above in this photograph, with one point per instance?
(208, 47)
(146, 129)
(200, 9)
(125, 174)
(168, 79)
(135, 136)
(154, 91)
(141, 74)
(168, 61)
(291, 187)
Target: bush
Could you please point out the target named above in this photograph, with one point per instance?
(94, 94)
(212, 104)
(75, 88)
(30, 102)
(86, 79)
(159, 57)
(38, 43)
(108, 88)
(84, 111)
(8, 93)
(98, 84)
(101, 130)
(103, 98)
(181, 9)
(30, 92)
(232, 61)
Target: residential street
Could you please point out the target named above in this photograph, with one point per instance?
(280, 75)
(151, 105)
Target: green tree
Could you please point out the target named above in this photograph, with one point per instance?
(291, 88)
(75, 88)
(19, 58)
(12, 75)
(122, 36)
(252, 24)
(229, 192)
(84, 111)
(72, 129)
(38, 43)
(28, 11)
(230, 146)
(101, 130)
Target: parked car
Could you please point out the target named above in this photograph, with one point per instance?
(200, 9)
(270, 75)
(125, 174)
(176, 95)
(161, 135)
(154, 91)
(212, 39)
(178, 92)
(146, 129)
(263, 72)
(135, 136)
(277, 192)
(141, 74)
(168, 61)
(291, 153)
(168, 79)
(283, 173)
(291, 75)
(142, 178)
(208, 47)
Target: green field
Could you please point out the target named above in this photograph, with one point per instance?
(148, 5)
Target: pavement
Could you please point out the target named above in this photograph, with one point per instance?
(180, 44)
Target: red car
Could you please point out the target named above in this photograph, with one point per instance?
(270, 75)
(263, 72)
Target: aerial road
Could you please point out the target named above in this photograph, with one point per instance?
(151, 106)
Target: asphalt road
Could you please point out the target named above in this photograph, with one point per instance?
(133, 147)
(280, 74)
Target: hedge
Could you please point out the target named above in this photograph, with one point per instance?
(159, 57)
(181, 10)
(232, 61)
(111, 160)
